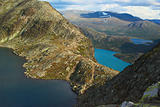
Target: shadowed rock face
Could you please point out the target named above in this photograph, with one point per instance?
(53, 47)
(129, 85)
(150, 98)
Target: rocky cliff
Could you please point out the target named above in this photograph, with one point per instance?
(129, 85)
(150, 98)
(53, 47)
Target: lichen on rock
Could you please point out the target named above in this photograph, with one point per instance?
(151, 93)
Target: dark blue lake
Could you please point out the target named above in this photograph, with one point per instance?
(18, 91)
(107, 58)
(141, 41)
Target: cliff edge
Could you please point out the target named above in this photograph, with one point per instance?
(53, 47)
(129, 85)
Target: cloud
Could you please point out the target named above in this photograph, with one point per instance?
(143, 12)
(142, 8)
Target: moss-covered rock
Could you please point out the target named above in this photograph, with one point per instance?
(151, 94)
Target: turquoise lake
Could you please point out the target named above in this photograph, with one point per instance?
(107, 58)
(18, 91)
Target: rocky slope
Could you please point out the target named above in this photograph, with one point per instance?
(129, 85)
(127, 50)
(150, 98)
(53, 47)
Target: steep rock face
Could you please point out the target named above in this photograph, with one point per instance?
(53, 47)
(150, 98)
(129, 85)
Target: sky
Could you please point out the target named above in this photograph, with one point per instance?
(145, 9)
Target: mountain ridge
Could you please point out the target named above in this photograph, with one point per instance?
(56, 49)
(114, 25)
(53, 47)
(119, 31)
(157, 21)
(108, 14)
(129, 85)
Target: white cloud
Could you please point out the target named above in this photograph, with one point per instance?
(141, 8)
(143, 12)
(122, 1)
(112, 7)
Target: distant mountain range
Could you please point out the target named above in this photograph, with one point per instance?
(113, 31)
(107, 14)
(54, 49)
(157, 21)
(115, 24)
(122, 16)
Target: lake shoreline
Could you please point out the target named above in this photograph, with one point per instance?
(107, 58)
(37, 79)
(33, 79)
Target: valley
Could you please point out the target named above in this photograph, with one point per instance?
(115, 32)
(49, 57)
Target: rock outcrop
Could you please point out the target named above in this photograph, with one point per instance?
(53, 47)
(129, 85)
(150, 98)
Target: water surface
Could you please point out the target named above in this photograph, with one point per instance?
(107, 58)
(141, 41)
(18, 91)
